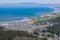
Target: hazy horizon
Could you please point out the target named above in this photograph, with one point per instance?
(33, 1)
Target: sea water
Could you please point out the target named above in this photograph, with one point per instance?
(12, 14)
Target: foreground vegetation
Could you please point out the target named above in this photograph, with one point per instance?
(16, 35)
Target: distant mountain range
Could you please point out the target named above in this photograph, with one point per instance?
(28, 5)
(23, 5)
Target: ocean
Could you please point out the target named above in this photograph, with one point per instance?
(12, 14)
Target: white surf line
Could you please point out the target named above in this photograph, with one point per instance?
(56, 10)
(23, 20)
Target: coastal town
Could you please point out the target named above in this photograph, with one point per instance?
(36, 26)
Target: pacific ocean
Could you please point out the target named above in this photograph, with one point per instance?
(11, 14)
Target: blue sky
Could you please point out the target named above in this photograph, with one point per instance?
(34, 1)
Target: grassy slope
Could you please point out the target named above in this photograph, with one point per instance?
(9, 35)
(44, 18)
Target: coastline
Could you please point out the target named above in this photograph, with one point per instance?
(22, 20)
(23, 24)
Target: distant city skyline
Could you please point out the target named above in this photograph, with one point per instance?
(34, 1)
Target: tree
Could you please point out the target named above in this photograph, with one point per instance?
(54, 29)
(49, 35)
(36, 33)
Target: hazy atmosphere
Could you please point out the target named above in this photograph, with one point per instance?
(29, 19)
(35, 1)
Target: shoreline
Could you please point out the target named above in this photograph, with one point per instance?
(27, 18)
(17, 21)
